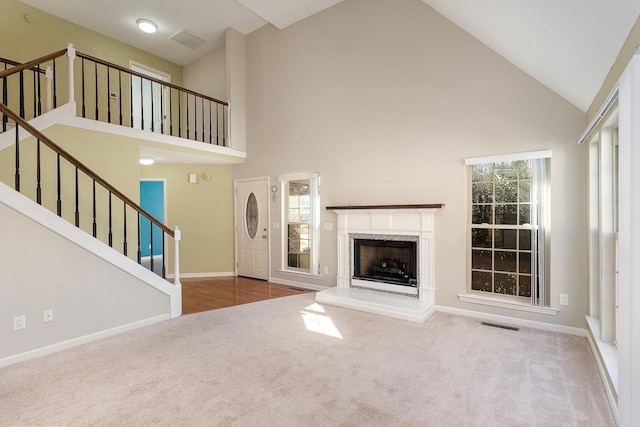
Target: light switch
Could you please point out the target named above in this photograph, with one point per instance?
(193, 178)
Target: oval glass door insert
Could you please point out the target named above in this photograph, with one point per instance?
(251, 216)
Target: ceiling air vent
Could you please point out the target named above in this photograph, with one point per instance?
(187, 39)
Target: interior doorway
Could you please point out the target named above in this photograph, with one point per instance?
(148, 99)
(152, 200)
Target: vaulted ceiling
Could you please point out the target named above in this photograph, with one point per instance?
(567, 45)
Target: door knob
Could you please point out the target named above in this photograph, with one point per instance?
(264, 236)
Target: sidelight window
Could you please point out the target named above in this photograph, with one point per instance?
(301, 214)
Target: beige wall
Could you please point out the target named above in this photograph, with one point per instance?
(624, 56)
(208, 75)
(385, 100)
(236, 61)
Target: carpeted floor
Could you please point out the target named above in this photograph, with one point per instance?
(287, 362)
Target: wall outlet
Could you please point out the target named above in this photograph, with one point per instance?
(19, 322)
(47, 316)
(326, 269)
(564, 299)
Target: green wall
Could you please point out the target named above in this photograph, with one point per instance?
(23, 41)
(204, 212)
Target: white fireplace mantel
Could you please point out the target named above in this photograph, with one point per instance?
(416, 221)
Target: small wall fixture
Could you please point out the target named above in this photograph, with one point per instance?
(147, 161)
(147, 25)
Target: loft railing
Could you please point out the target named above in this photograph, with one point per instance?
(60, 182)
(110, 93)
(117, 95)
(29, 88)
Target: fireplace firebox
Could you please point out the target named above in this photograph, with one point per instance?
(386, 261)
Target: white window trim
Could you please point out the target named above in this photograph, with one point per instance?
(495, 299)
(314, 263)
(505, 303)
(511, 157)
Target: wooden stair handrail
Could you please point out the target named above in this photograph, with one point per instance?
(126, 70)
(75, 162)
(15, 63)
(33, 63)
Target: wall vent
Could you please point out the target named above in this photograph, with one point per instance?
(187, 39)
(497, 325)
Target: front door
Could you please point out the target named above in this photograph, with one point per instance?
(252, 219)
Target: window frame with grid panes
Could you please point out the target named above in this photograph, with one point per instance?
(300, 215)
(507, 232)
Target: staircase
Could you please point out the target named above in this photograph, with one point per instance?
(44, 184)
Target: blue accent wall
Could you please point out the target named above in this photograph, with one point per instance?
(152, 201)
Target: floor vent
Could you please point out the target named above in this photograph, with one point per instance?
(496, 325)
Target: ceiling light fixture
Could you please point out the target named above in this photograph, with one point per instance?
(147, 25)
(147, 161)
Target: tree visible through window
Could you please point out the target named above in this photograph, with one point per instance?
(301, 218)
(507, 228)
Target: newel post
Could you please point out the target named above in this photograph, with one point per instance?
(71, 54)
(48, 75)
(176, 256)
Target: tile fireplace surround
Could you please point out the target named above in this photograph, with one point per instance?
(381, 222)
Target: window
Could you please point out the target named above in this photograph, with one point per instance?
(604, 228)
(507, 226)
(301, 212)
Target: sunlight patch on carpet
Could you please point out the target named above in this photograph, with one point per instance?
(320, 324)
(315, 307)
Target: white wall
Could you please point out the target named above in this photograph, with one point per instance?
(385, 100)
(89, 297)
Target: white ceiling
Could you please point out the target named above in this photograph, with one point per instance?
(568, 45)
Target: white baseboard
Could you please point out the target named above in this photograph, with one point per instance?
(74, 342)
(514, 321)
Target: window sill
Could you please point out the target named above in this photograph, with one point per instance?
(608, 353)
(502, 303)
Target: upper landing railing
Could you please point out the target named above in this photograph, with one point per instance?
(113, 94)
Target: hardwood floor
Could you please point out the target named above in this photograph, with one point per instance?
(217, 292)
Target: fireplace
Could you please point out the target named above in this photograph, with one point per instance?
(385, 260)
(390, 259)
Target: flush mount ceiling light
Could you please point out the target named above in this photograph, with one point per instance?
(147, 25)
(147, 161)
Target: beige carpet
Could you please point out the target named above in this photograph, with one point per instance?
(259, 365)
